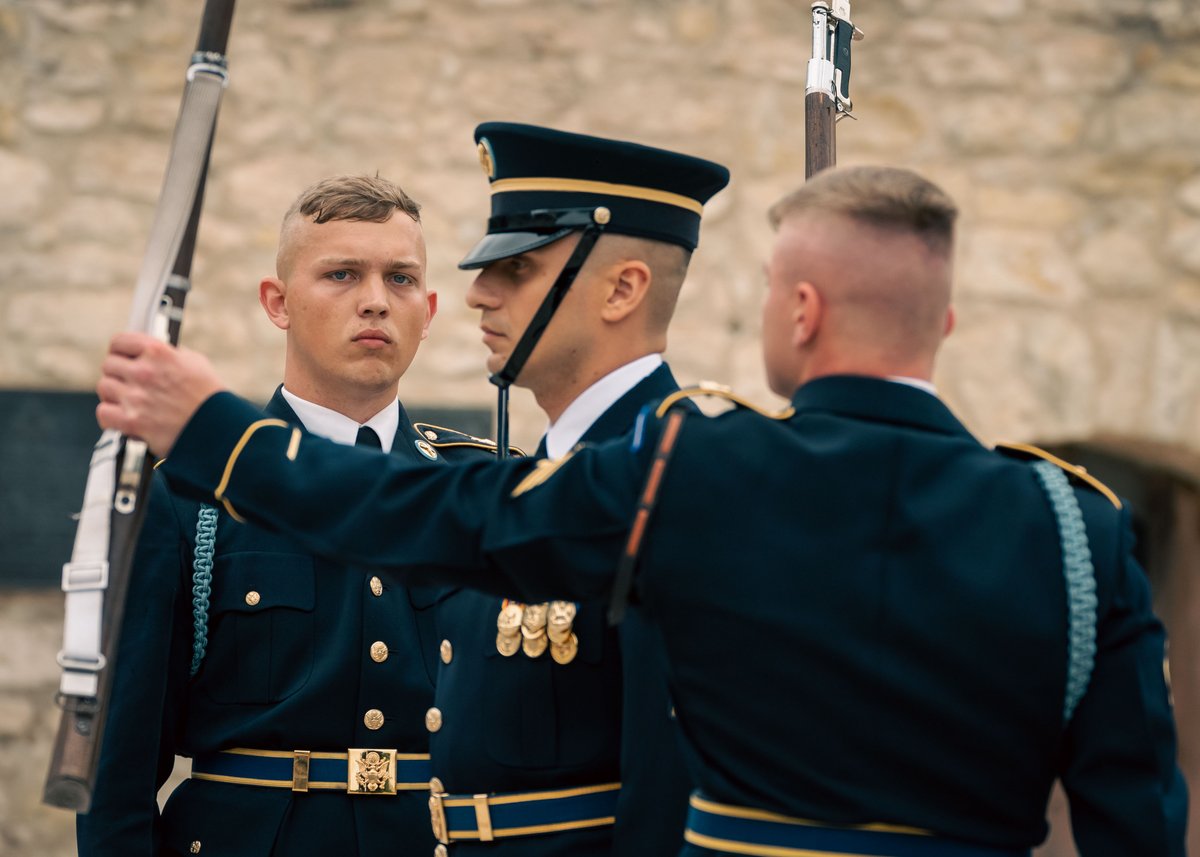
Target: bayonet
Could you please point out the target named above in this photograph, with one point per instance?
(827, 89)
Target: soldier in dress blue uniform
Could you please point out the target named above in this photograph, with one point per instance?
(882, 636)
(289, 679)
(529, 696)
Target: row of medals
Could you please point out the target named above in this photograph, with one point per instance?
(533, 628)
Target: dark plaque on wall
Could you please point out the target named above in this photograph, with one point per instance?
(46, 442)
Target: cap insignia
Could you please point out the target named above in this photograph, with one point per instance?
(487, 158)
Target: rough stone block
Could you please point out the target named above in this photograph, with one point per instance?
(62, 115)
(26, 182)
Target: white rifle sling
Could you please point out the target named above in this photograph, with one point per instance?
(85, 577)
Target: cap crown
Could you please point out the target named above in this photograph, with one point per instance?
(650, 193)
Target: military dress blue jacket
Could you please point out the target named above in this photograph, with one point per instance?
(292, 671)
(520, 724)
(863, 608)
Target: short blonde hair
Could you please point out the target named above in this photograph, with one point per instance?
(369, 198)
(353, 198)
(887, 197)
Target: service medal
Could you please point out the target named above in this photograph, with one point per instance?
(509, 620)
(534, 622)
(564, 653)
(508, 645)
(535, 647)
(562, 616)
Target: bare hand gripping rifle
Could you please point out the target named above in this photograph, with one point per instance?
(827, 92)
(96, 579)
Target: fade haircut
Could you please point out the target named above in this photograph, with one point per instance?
(889, 198)
(668, 265)
(369, 198)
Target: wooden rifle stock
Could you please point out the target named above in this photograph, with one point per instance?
(820, 135)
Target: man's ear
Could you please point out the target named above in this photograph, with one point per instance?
(951, 320)
(808, 310)
(431, 298)
(628, 283)
(272, 294)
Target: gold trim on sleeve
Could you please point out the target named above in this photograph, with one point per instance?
(233, 457)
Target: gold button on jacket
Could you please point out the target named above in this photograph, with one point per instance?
(379, 651)
(376, 587)
(433, 719)
(373, 719)
(447, 651)
(253, 598)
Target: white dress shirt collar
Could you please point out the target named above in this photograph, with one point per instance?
(588, 406)
(338, 427)
(919, 383)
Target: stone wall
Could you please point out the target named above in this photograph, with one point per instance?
(1067, 131)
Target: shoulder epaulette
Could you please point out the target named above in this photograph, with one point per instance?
(1027, 451)
(442, 437)
(710, 389)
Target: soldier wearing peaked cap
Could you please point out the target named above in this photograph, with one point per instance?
(565, 725)
(930, 632)
(540, 705)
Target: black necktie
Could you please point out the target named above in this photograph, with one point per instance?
(367, 437)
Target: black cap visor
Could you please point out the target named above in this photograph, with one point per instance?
(500, 245)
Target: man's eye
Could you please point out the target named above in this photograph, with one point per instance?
(339, 276)
(401, 279)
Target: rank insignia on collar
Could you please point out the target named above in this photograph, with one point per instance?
(425, 449)
(440, 437)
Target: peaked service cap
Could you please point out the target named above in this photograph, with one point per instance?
(536, 173)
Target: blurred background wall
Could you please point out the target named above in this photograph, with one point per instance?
(1069, 133)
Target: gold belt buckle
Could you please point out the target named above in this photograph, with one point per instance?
(437, 812)
(370, 771)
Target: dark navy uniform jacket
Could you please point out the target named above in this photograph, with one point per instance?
(511, 724)
(291, 672)
(863, 608)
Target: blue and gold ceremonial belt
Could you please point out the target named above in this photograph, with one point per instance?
(358, 771)
(484, 817)
(739, 830)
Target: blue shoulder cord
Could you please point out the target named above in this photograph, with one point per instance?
(206, 537)
(1081, 583)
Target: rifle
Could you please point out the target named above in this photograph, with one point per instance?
(827, 91)
(96, 579)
